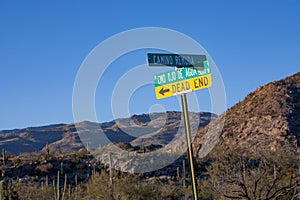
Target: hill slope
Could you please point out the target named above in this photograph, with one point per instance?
(268, 118)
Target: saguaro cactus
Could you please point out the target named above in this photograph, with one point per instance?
(3, 156)
(57, 192)
(111, 177)
(183, 173)
(1, 190)
(61, 168)
(178, 174)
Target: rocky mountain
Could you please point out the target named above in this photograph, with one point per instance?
(145, 129)
(268, 118)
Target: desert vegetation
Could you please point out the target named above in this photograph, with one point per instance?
(226, 173)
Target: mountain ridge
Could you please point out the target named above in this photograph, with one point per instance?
(64, 137)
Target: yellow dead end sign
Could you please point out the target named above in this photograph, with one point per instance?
(183, 86)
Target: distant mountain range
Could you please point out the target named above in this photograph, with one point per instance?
(65, 137)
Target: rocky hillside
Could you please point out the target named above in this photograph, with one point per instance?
(65, 137)
(268, 118)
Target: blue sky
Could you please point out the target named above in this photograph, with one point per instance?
(43, 43)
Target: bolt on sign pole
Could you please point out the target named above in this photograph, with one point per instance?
(189, 144)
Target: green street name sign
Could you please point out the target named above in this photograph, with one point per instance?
(176, 60)
(180, 74)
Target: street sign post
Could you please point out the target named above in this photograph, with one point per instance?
(194, 74)
(175, 60)
(189, 143)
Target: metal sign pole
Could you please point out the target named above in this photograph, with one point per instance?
(189, 144)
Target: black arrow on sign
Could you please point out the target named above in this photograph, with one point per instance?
(162, 91)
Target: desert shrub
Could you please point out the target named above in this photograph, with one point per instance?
(246, 174)
(125, 146)
(45, 168)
